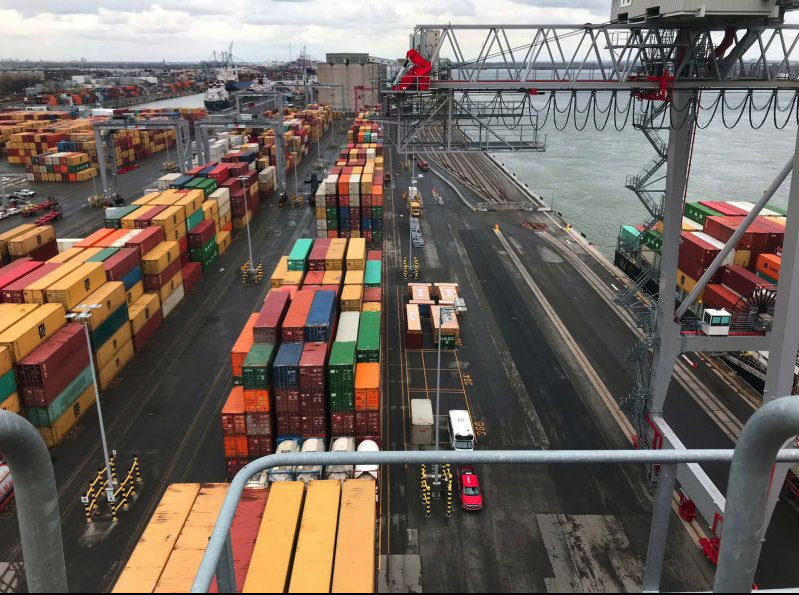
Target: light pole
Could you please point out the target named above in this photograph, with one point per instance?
(83, 317)
(442, 311)
(245, 182)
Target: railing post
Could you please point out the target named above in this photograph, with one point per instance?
(658, 533)
(37, 504)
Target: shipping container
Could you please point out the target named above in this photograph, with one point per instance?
(373, 273)
(72, 289)
(368, 348)
(18, 269)
(169, 304)
(95, 237)
(233, 420)
(181, 568)
(49, 369)
(273, 554)
(356, 254)
(55, 434)
(107, 373)
(698, 212)
(106, 351)
(47, 415)
(31, 240)
(142, 310)
(321, 318)
(267, 327)
(719, 296)
(12, 234)
(242, 347)
(354, 566)
(336, 254)
(276, 280)
(32, 330)
(124, 266)
(332, 278)
(686, 282)
(316, 543)
(147, 331)
(367, 387)
(293, 328)
(348, 327)
(159, 258)
(354, 277)
(285, 371)
(298, 257)
(419, 294)
(769, 265)
(741, 280)
(257, 367)
(413, 327)
(351, 298)
(147, 240)
(109, 328)
(341, 376)
(35, 292)
(422, 422)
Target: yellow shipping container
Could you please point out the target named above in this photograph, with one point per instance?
(170, 286)
(66, 255)
(110, 348)
(85, 255)
(5, 361)
(184, 560)
(160, 257)
(332, 278)
(334, 259)
(173, 235)
(110, 297)
(210, 209)
(685, 283)
(129, 220)
(110, 370)
(742, 257)
(6, 237)
(191, 202)
(276, 280)
(354, 568)
(145, 199)
(11, 314)
(293, 278)
(223, 241)
(12, 404)
(170, 218)
(356, 254)
(134, 293)
(354, 277)
(32, 330)
(53, 435)
(30, 240)
(352, 298)
(371, 307)
(75, 287)
(147, 561)
(35, 292)
(274, 545)
(316, 543)
(141, 310)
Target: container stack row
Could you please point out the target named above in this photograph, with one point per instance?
(707, 225)
(301, 129)
(307, 365)
(349, 202)
(426, 300)
(290, 538)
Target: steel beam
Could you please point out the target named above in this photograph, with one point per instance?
(705, 344)
(659, 530)
(567, 85)
(101, 157)
(667, 330)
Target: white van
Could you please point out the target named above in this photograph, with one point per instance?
(461, 434)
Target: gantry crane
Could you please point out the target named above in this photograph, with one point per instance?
(493, 87)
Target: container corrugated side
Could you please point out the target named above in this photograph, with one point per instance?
(144, 567)
(32, 330)
(72, 289)
(354, 567)
(54, 434)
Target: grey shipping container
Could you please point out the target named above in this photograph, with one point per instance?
(421, 422)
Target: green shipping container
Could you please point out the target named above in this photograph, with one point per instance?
(209, 258)
(341, 377)
(779, 210)
(368, 348)
(208, 186)
(208, 251)
(298, 257)
(46, 416)
(103, 255)
(377, 212)
(372, 273)
(698, 212)
(109, 326)
(195, 218)
(629, 236)
(8, 384)
(654, 240)
(377, 236)
(257, 368)
(767, 278)
(113, 215)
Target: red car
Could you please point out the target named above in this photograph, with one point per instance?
(469, 489)
(422, 164)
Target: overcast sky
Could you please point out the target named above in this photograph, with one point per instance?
(260, 29)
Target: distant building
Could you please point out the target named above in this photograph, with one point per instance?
(351, 70)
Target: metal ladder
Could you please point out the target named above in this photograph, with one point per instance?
(640, 184)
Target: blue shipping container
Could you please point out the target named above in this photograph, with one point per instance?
(181, 182)
(286, 369)
(321, 316)
(133, 277)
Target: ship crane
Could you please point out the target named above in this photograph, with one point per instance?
(494, 87)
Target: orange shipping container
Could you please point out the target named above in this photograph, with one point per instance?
(14, 233)
(769, 265)
(95, 237)
(32, 330)
(354, 568)
(242, 346)
(274, 547)
(367, 387)
(235, 446)
(256, 401)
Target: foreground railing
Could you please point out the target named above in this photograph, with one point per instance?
(752, 461)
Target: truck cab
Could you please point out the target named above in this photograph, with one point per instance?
(423, 165)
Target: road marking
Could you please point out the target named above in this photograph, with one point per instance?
(614, 287)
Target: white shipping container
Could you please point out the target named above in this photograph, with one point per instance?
(331, 185)
(173, 300)
(221, 196)
(348, 324)
(236, 141)
(355, 185)
(65, 244)
(421, 422)
(730, 260)
(355, 200)
(120, 243)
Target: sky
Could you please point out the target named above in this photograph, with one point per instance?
(145, 30)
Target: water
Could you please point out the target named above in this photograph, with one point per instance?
(185, 101)
(583, 173)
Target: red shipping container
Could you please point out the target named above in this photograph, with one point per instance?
(232, 184)
(312, 400)
(313, 426)
(724, 208)
(256, 401)
(372, 294)
(145, 220)
(694, 269)
(718, 296)
(233, 420)
(273, 311)
(293, 328)
(13, 293)
(287, 424)
(183, 246)
(148, 330)
(121, 263)
(156, 282)
(342, 424)
(260, 446)
(45, 251)
(201, 234)
(49, 369)
(220, 173)
(147, 240)
(287, 400)
(367, 423)
(722, 228)
(191, 273)
(374, 255)
(312, 367)
(234, 465)
(314, 277)
(244, 531)
(259, 423)
(316, 259)
(16, 270)
(697, 250)
(741, 280)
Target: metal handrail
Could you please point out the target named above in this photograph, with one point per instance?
(37, 504)
(218, 560)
